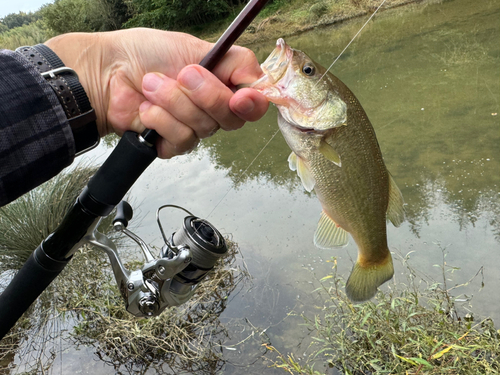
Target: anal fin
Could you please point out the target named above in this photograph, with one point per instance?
(328, 234)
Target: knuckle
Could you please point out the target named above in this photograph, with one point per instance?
(215, 101)
(207, 129)
(184, 141)
(153, 116)
(246, 54)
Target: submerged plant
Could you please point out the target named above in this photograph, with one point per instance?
(408, 330)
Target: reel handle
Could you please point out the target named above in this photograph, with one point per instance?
(124, 214)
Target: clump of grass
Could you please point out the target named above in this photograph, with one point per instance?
(407, 330)
(27, 221)
(317, 10)
(187, 336)
(84, 301)
(24, 224)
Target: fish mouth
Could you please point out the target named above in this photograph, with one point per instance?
(307, 130)
(274, 67)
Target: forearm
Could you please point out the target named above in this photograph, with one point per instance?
(35, 138)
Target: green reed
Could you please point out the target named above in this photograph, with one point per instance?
(411, 329)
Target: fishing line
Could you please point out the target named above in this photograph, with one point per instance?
(243, 173)
(295, 109)
(352, 40)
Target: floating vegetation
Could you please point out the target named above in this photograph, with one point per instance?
(408, 330)
(187, 337)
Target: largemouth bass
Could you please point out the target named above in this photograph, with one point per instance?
(336, 153)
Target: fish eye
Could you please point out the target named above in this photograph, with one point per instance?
(308, 70)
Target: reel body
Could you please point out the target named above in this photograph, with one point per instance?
(173, 277)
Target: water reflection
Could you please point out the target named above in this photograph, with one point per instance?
(429, 82)
(428, 78)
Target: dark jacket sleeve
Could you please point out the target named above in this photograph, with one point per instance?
(36, 141)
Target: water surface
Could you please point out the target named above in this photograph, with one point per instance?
(428, 77)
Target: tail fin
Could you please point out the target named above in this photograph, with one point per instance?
(364, 280)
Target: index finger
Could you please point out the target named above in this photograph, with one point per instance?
(239, 65)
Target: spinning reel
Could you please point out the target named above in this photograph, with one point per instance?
(172, 278)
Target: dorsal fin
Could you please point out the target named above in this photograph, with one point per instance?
(328, 234)
(395, 210)
(297, 164)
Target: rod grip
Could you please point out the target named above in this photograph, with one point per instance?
(115, 177)
(31, 280)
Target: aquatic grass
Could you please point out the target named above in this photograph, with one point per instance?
(27, 221)
(84, 302)
(186, 336)
(408, 329)
(462, 49)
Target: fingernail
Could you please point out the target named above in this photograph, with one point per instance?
(151, 82)
(191, 79)
(244, 106)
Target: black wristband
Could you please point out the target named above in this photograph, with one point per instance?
(64, 81)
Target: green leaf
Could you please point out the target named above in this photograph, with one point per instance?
(407, 360)
(421, 361)
(366, 318)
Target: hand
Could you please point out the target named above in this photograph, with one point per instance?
(145, 78)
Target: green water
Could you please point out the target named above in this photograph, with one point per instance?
(428, 77)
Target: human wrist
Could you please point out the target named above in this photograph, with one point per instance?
(70, 93)
(82, 53)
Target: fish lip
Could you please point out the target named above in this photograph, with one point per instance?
(275, 65)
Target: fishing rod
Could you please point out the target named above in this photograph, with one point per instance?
(184, 260)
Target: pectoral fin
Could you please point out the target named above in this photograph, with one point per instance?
(329, 152)
(328, 234)
(395, 210)
(292, 161)
(297, 164)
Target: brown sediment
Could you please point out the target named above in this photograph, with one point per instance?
(283, 24)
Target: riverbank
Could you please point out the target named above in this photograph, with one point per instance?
(284, 18)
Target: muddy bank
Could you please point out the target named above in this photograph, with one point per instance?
(298, 18)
